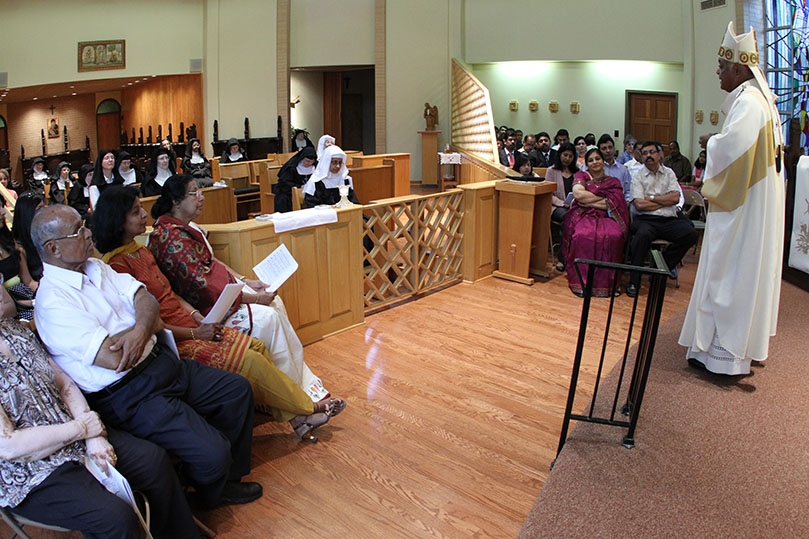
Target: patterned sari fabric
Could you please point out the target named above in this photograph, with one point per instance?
(138, 261)
(596, 234)
(183, 256)
(29, 398)
(237, 352)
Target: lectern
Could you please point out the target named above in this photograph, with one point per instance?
(523, 229)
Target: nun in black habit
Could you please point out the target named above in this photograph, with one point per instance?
(195, 164)
(39, 177)
(62, 182)
(130, 174)
(162, 168)
(233, 153)
(79, 195)
(294, 173)
(300, 140)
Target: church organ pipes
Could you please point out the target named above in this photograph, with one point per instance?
(149, 137)
(140, 138)
(216, 131)
(159, 133)
(169, 137)
(181, 136)
(246, 128)
(42, 134)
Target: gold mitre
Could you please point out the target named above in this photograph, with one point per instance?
(739, 49)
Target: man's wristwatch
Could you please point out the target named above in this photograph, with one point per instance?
(651, 197)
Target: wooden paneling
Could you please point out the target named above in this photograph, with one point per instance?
(480, 230)
(401, 168)
(163, 100)
(219, 206)
(325, 295)
(472, 118)
(332, 105)
(373, 183)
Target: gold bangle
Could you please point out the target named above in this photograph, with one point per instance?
(84, 427)
(192, 334)
(194, 311)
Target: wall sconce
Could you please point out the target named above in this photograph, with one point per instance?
(698, 116)
(575, 107)
(513, 105)
(714, 117)
(294, 102)
(553, 106)
(533, 106)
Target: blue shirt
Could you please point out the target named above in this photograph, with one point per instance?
(617, 170)
(624, 157)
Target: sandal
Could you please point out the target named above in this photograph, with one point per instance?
(303, 425)
(332, 406)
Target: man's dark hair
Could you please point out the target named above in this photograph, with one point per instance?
(561, 133)
(590, 139)
(603, 139)
(657, 145)
(677, 144)
(542, 134)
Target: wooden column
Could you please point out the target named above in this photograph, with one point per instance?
(429, 157)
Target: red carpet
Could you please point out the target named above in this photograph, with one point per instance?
(714, 456)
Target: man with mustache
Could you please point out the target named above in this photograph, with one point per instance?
(655, 195)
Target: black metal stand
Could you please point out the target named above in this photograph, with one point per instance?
(658, 274)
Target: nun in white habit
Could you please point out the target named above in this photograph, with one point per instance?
(324, 142)
(330, 174)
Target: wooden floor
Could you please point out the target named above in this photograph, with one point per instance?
(455, 407)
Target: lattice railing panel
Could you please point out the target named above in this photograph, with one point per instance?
(411, 246)
(439, 253)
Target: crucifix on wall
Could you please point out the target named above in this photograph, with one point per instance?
(53, 108)
(53, 124)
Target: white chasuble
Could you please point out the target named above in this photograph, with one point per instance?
(734, 304)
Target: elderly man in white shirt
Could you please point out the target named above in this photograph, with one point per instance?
(655, 195)
(99, 326)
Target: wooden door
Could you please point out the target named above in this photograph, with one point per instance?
(108, 130)
(652, 116)
(332, 105)
(351, 119)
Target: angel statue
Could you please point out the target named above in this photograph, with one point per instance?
(431, 115)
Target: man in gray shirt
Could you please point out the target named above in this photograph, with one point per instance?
(655, 195)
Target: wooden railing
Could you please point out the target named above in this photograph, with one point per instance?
(412, 244)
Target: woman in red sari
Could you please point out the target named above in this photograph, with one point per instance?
(596, 226)
(185, 257)
(118, 220)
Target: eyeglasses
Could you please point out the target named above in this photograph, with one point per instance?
(77, 234)
(648, 152)
(194, 194)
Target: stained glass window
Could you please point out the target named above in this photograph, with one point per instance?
(787, 35)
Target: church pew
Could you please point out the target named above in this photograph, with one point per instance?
(401, 166)
(325, 294)
(374, 182)
(219, 207)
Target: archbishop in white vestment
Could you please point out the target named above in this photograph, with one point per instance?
(734, 304)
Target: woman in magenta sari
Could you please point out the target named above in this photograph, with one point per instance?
(596, 226)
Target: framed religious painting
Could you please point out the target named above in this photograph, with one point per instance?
(100, 55)
(53, 128)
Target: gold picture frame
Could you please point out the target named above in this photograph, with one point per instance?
(101, 55)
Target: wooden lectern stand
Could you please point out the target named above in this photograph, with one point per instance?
(429, 157)
(523, 229)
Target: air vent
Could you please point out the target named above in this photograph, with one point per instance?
(195, 65)
(709, 4)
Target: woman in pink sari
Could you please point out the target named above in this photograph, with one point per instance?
(596, 226)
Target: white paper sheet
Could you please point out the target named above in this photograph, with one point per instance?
(276, 268)
(225, 302)
(117, 484)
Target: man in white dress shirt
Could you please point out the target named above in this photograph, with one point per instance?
(99, 326)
